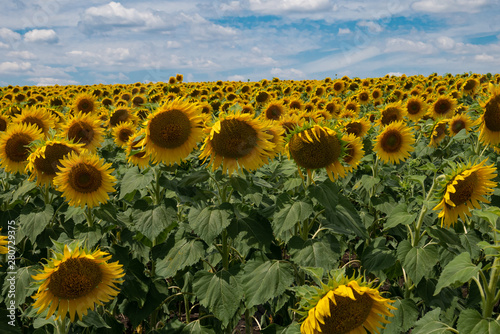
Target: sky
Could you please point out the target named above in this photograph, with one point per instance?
(67, 42)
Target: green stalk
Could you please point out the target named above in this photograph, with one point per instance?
(88, 215)
(248, 322)
(62, 325)
(157, 188)
(490, 291)
(423, 211)
(188, 310)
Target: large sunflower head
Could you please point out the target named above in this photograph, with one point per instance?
(314, 147)
(84, 103)
(343, 305)
(353, 151)
(464, 187)
(393, 112)
(75, 280)
(40, 117)
(85, 129)
(238, 139)
(416, 108)
(394, 143)
(44, 160)
(84, 179)
(14, 150)
(443, 107)
(173, 131)
(490, 119)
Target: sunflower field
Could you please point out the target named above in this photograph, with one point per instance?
(331, 206)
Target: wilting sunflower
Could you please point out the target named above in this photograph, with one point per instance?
(443, 107)
(415, 108)
(391, 113)
(84, 103)
(14, 143)
(75, 281)
(237, 139)
(314, 147)
(462, 190)
(44, 160)
(3, 243)
(136, 153)
(85, 129)
(353, 151)
(40, 117)
(459, 122)
(394, 143)
(438, 133)
(344, 305)
(84, 179)
(358, 127)
(173, 131)
(490, 119)
(122, 133)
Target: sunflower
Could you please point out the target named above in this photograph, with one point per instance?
(40, 117)
(352, 106)
(394, 143)
(364, 97)
(173, 131)
(353, 151)
(84, 103)
(296, 104)
(3, 242)
(75, 281)
(464, 187)
(237, 139)
(376, 94)
(289, 122)
(438, 132)
(278, 137)
(314, 147)
(343, 305)
(44, 160)
(84, 179)
(443, 107)
(459, 122)
(416, 108)
(122, 133)
(471, 87)
(339, 86)
(4, 122)
(358, 127)
(85, 129)
(490, 119)
(273, 110)
(392, 112)
(136, 153)
(14, 143)
(122, 115)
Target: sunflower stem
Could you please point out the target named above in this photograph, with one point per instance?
(62, 325)
(88, 215)
(188, 310)
(225, 250)
(423, 211)
(157, 188)
(248, 322)
(490, 291)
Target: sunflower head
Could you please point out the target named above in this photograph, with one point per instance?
(394, 142)
(438, 133)
(74, 280)
(273, 110)
(443, 107)
(353, 151)
(136, 153)
(416, 108)
(40, 117)
(391, 113)
(14, 150)
(464, 186)
(85, 129)
(343, 305)
(122, 133)
(84, 103)
(490, 119)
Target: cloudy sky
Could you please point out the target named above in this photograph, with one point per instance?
(46, 42)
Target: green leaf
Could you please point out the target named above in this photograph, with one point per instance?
(419, 261)
(457, 272)
(340, 213)
(377, 256)
(291, 214)
(404, 317)
(32, 224)
(209, 222)
(470, 243)
(195, 327)
(470, 321)
(319, 253)
(184, 253)
(24, 189)
(264, 281)
(134, 180)
(194, 177)
(431, 324)
(293, 328)
(219, 292)
(94, 320)
(399, 215)
(152, 222)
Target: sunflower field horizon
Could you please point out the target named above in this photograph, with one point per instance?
(332, 206)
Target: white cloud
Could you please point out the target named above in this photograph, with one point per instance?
(396, 74)
(288, 73)
(115, 15)
(277, 6)
(372, 26)
(445, 42)
(448, 6)
(41, 35)
(484, 57)
(9, 35)
(13, 67)
(236, 78)
(341, 60)
(344, 31)
(108, 56)
(4, 46)
(22, 54)
(406, 45)
(47, 81)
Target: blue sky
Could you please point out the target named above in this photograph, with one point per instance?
(46, 42)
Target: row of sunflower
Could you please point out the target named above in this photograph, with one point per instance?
(196, 191)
